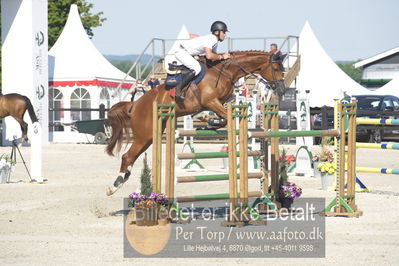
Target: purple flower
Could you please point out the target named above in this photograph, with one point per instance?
(290, 191)
(139, 199)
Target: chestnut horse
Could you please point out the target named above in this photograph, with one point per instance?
(214, 90)
(15, 105)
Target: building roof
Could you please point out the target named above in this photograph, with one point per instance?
(75, 58)
(376, 57)
(320, 74)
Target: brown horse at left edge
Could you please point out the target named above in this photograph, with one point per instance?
(15, 105)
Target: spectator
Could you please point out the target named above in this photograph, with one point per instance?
(277, 55)
(137, 90)
(241, 86)
(153, 82)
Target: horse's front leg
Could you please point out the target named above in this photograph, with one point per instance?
(216, 106)
(128, 159)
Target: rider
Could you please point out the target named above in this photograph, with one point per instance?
(204, 45)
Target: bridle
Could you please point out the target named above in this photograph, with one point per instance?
(273, 83)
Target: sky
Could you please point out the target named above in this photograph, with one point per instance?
(346, 29)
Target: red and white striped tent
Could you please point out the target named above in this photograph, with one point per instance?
(79, 77)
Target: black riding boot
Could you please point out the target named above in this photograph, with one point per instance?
(185, 80)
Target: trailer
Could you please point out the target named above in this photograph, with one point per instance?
(99, 128)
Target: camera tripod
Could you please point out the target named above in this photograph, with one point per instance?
(13, 157)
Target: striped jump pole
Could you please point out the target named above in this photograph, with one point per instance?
(377, 170)
(163, 114)
(344, 203)
(238, 183)
(377, 121)
(269, 121)
(387, 146)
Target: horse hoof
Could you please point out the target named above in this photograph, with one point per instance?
(110, 191)
(118, 182)
(127, 175)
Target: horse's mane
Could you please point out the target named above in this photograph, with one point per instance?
(234, 53)
(247, 52)
(250, 52)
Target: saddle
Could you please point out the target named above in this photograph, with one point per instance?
(174, 75)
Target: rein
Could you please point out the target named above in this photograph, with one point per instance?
(220, 72)
(234, 61)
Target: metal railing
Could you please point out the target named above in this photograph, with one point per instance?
(156, 48)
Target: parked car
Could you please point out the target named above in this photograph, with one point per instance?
(371, 106)
(377, 106)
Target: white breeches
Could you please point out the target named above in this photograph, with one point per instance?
(186, 59)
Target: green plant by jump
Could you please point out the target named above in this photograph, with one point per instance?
(6, 160)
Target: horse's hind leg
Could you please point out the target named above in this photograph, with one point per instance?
(24, 128)
(128, 159)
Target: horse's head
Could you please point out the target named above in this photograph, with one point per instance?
(272, 71)
(263, 63)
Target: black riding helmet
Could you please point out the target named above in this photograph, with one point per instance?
(218, 26)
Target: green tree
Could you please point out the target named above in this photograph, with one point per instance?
(351, 71)
(58, 11)
(145, 178)
(125, 65)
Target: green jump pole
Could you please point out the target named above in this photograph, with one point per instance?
(212, 155)
(201, 133)
(214, 196)
(204, 178)
(297, 133)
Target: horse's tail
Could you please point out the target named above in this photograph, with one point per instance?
(31, 111)
(118, 119)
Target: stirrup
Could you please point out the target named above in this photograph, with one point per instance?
(180, 94)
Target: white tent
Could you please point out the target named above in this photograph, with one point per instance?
(79, 77)
(391, 88)
(74, 56)
(321, 75)
(170, 56)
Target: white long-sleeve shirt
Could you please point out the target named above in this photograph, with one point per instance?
(197, 45)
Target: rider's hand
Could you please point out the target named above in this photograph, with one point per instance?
(226, 56)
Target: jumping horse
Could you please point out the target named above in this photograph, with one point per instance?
(15, 105)
(211, 93)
